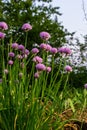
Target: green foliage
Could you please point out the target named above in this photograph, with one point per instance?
(77, 80)
(42, 17)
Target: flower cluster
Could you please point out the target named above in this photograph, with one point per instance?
(19, 52)
(22, 52)
(37, 59)
(64, 50)
(40, 66)
(48, 48)
(3, 26)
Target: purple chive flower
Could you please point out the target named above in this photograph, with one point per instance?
(26, 52)
(85, 86)
(40, 67)
(6, 71)
(3, 26)
(35, 50)
(11, 54)
(37, 59)
(14, 45)
(68, 68)
(53, 50)
(36, 75)
(61, 49)
(2, 35)
(48, 69)
(48, 48)
(44, 35)
(26, 27)
(67, 51)
(21, 47)
(43, 46)
(10, 62)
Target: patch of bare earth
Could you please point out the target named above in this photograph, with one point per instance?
(74, 120)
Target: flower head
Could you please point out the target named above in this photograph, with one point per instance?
(10, 62)
(43, 46)
(65, 50)
(2, 35)
(48, 48)
(36, 75)
(85, 86)
(26, 51)
(40, 67)
(45, 35)
(48, 69)
(11, 54)
(3, 26)
(53, 50)
(26, 27)
(35, 50)
(37, 59)
(14, 45)
(6, 71)
(68, 68)
(61, 49)
(21, 47)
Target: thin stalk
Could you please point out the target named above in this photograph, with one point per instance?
(44, 84)
(65, 85)
(26, 35)
(57, 85)
(56, 75)
(52, 71)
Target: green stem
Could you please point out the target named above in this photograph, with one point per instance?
(52, 71)
(26, 39)
(65, 85)
(56, 75)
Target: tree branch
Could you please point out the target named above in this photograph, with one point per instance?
(84, 11)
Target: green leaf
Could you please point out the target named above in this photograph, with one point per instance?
(71, 104)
